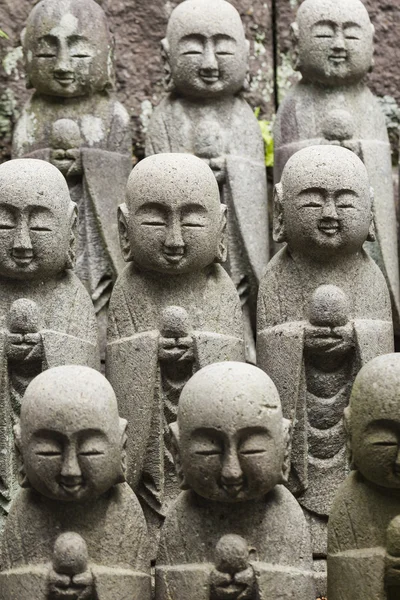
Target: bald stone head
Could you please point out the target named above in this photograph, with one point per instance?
(67, 48)
(373, 421)
(71, 436)
(172, 221)
(230, 432)
(334, 40)
(206, 48)
(36, 219)
(323, 203)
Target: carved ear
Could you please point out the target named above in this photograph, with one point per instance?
(287, 430)
(222, 251)
(165, 57)
(371, 232)
(174, 431)
(246, 82)
(73, 228)
(347, 430)
(22, 478)
(123, 216)
(278, 233)
(28, 83)
(294, 31)
(123, 425)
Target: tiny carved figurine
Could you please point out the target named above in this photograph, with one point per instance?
(73, 121)
(46, 315)
(324, 311)
(234, 533)
(173, 310)
(75, 529)
(364, 523)
(333, 105)
(204, 113)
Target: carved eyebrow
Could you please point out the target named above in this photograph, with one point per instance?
(347, 192)
(255, 429)
(351, 24)
(325, 22)
(193, 208)
(313, 190)
(223, 37)
(76, 38)
(193, 37)
(49, 38)
(152, 206)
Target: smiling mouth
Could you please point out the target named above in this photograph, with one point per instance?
(22, 261)
(338, 59)
(329, 230)
(232, 490)
(71, 488)
(174, 257)
(64, 80)
(209, 77)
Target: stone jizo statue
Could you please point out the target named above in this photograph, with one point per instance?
(74, 121)
(363, 530)
(333, 46)
(204, 113)
(46, 315)
(323, 312)
(173, 310)
(234, 532)
(75, 529)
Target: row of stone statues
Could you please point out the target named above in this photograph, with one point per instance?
(175, 270)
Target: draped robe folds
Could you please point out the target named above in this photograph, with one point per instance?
(69, 336)
(273, 526)
(300, 122)
(98, 191)
(357, 530)
(113, 527)
(225, 128)
(132, 364)
(284, 295)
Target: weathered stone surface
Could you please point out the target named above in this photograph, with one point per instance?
(332, 105)
(84, 533)
(204, 113)
(73, 121)
(138, 28)
(231, 450)
(323, 312)
(173, 310)
(46, 316)
(363, 532)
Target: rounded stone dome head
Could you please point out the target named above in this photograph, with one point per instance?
(334, 41)
(71, 436)
(36, 216)
(206, 48)
(232, 436)
(373, 421)
(174, 217)
(67, 48)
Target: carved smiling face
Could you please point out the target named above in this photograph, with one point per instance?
(71, 435)
(335, 41)
(206, 48)
(232, 439)
(173, 219)
(67, 48)
(36, 215)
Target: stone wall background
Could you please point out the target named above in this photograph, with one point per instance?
(139, 25)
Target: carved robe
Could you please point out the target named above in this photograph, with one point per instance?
(273, 526)
(69, 336)
(300, 122)
(99, 188)
(113, 527)
(357, 529)
(133, 368)
(226, 128)
(318, 460)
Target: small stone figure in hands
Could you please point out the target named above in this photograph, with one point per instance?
(70, 578)
(66, 143)
(233, 577)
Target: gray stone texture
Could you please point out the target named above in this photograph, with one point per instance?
(46, 315)
(363, 532)
(205, 114)
(74, 121)
(84, 535)
(235, 531)
(332, 105)
(173, 310)
(138, 28)
(323, 312)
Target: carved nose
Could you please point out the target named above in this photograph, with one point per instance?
(174, 236)
(63, 64)
(231, 473)
(210, 64)
(329, 210)
(22, 240)
(70, 471)
(339, 42)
